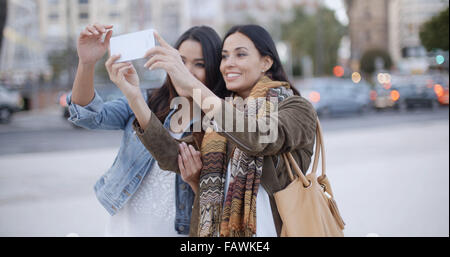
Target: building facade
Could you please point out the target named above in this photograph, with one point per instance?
(393, 26)
(368, 26)
(22, 50)
(406, 18)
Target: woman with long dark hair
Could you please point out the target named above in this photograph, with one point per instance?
(242, 167)
(142, 198)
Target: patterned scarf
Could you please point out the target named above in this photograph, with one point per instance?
(238, 217)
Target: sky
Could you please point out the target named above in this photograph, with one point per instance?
(339, 7)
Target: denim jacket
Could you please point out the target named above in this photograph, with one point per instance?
(133, 161)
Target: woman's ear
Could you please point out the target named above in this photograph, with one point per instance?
(267, 63)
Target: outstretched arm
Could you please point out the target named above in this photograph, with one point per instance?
(91, 48)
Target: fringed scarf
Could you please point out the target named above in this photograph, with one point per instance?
(238, 217)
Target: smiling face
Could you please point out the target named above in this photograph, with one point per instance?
(192, 54)
(242, 65)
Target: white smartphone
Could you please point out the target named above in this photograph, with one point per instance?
(132, 46)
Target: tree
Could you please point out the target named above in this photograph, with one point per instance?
(66, 60)
(63, 60)
(318, 36)
(434, 33)
(3, 13)
(100, 69)
(369, 62)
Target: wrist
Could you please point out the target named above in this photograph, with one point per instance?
(195, 187)
(197, 85)
(134, 96)
(86, 66)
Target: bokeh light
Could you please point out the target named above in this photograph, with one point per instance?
(338, 71)
(384, 78)
(314, 97)
(356, 77)
(440, 59)
(395, 95)
(439, 90)
(373, 95)
(380, 78)
(388, 78)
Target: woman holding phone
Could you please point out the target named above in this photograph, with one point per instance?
(241, 171)
(141, 197)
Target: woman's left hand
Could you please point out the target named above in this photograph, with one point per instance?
(190, 164)
(168, 58)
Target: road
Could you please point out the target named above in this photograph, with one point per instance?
(48, 131)
(389, 171)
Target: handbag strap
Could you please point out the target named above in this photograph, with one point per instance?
(320, 149)
(290, 161)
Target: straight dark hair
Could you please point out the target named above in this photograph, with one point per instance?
(159, 101)
(266, 47)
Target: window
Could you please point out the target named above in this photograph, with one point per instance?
(53, 16)
(368, 36)
(84, 15)
(114, 14)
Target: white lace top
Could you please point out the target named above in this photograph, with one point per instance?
(151, 210)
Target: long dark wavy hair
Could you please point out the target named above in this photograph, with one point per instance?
(266, 47)
(159, 101)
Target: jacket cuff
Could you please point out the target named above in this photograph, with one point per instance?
(78, 112)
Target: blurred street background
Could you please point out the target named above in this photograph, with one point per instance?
(376, 72)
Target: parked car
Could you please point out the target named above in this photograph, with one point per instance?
(413, 95)
(384, 98)
(10, 102)
(409, 92)
(334, 96)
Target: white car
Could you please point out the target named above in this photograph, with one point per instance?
(10, 102)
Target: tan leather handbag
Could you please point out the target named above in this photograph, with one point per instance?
(306, 206)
